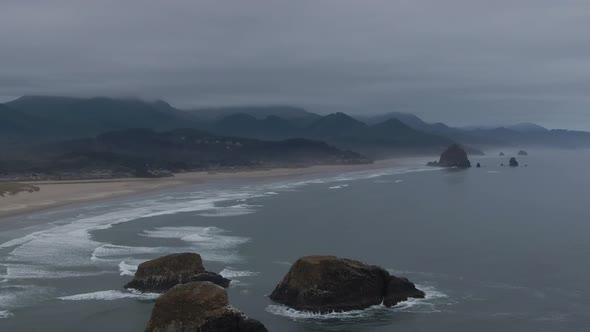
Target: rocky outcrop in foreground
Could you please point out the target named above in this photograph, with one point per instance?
(453, 156)
(327, 283)
(513, 162)
(161, 274)
(199, 306)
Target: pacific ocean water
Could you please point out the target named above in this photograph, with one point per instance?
(494, 248)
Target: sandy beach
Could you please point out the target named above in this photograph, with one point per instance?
(60, 193)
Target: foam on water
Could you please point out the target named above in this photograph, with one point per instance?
(338, 186)
(293, 314)
(126, 269)
(110, 295)
(5, 314)
(16, 296)
(208, 238)
(104, 251)
(230, 211)
(211, 243)
(230, 273)
(425, 305)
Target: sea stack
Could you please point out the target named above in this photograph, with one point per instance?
(478, 165)
(513, 162)
(522, 153)
(453, 156)
(199, 306)
(327, 283)
(161, 274)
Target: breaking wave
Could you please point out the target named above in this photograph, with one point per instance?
(110, 295)
(231, 273)
(425, 305)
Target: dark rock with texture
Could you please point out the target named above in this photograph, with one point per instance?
(453, 156)
(478, 165)
(199, 307)
(513, 162)
(327, 283)
(522, 153)
(163, 273)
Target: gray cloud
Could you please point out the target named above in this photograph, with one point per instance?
(457, 61)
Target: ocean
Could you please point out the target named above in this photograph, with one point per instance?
(494, 248)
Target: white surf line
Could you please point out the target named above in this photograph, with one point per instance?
(406, 306)
(109, 295)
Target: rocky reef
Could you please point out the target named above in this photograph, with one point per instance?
(453, 156)
(163, 273)
(199, 306)
(327, 283)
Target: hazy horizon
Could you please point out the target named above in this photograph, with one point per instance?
(459, 62)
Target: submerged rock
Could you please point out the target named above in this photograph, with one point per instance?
(163, 273)
(199, 306)
(513, 162)
(522, 153)
(453, 156)
(327, 283)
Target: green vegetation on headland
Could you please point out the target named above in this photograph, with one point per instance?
(147, 153)
(88, 138)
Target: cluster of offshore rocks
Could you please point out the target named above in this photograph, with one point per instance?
(194, 299)
(455, 156)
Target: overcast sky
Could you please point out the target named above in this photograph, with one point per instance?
(458, 61)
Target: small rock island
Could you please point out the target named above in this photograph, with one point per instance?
(328, 283)
(513, 162)
(501, 154)
(199, 306)
(453, 156)
(523, 153)
(163, 273)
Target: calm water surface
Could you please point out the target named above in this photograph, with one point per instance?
(495, 248)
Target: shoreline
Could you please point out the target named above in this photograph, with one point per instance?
(56, 194)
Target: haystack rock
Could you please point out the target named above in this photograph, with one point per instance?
(161, 274)
(513, 162)
(522, 153)
(327, 283)
(199, 306)
(453, 156)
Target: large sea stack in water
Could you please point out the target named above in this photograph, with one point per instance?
(161, 274)
(327, 283)
(199, 306)
(453, 156)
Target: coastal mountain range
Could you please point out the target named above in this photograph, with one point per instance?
(106, 132)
